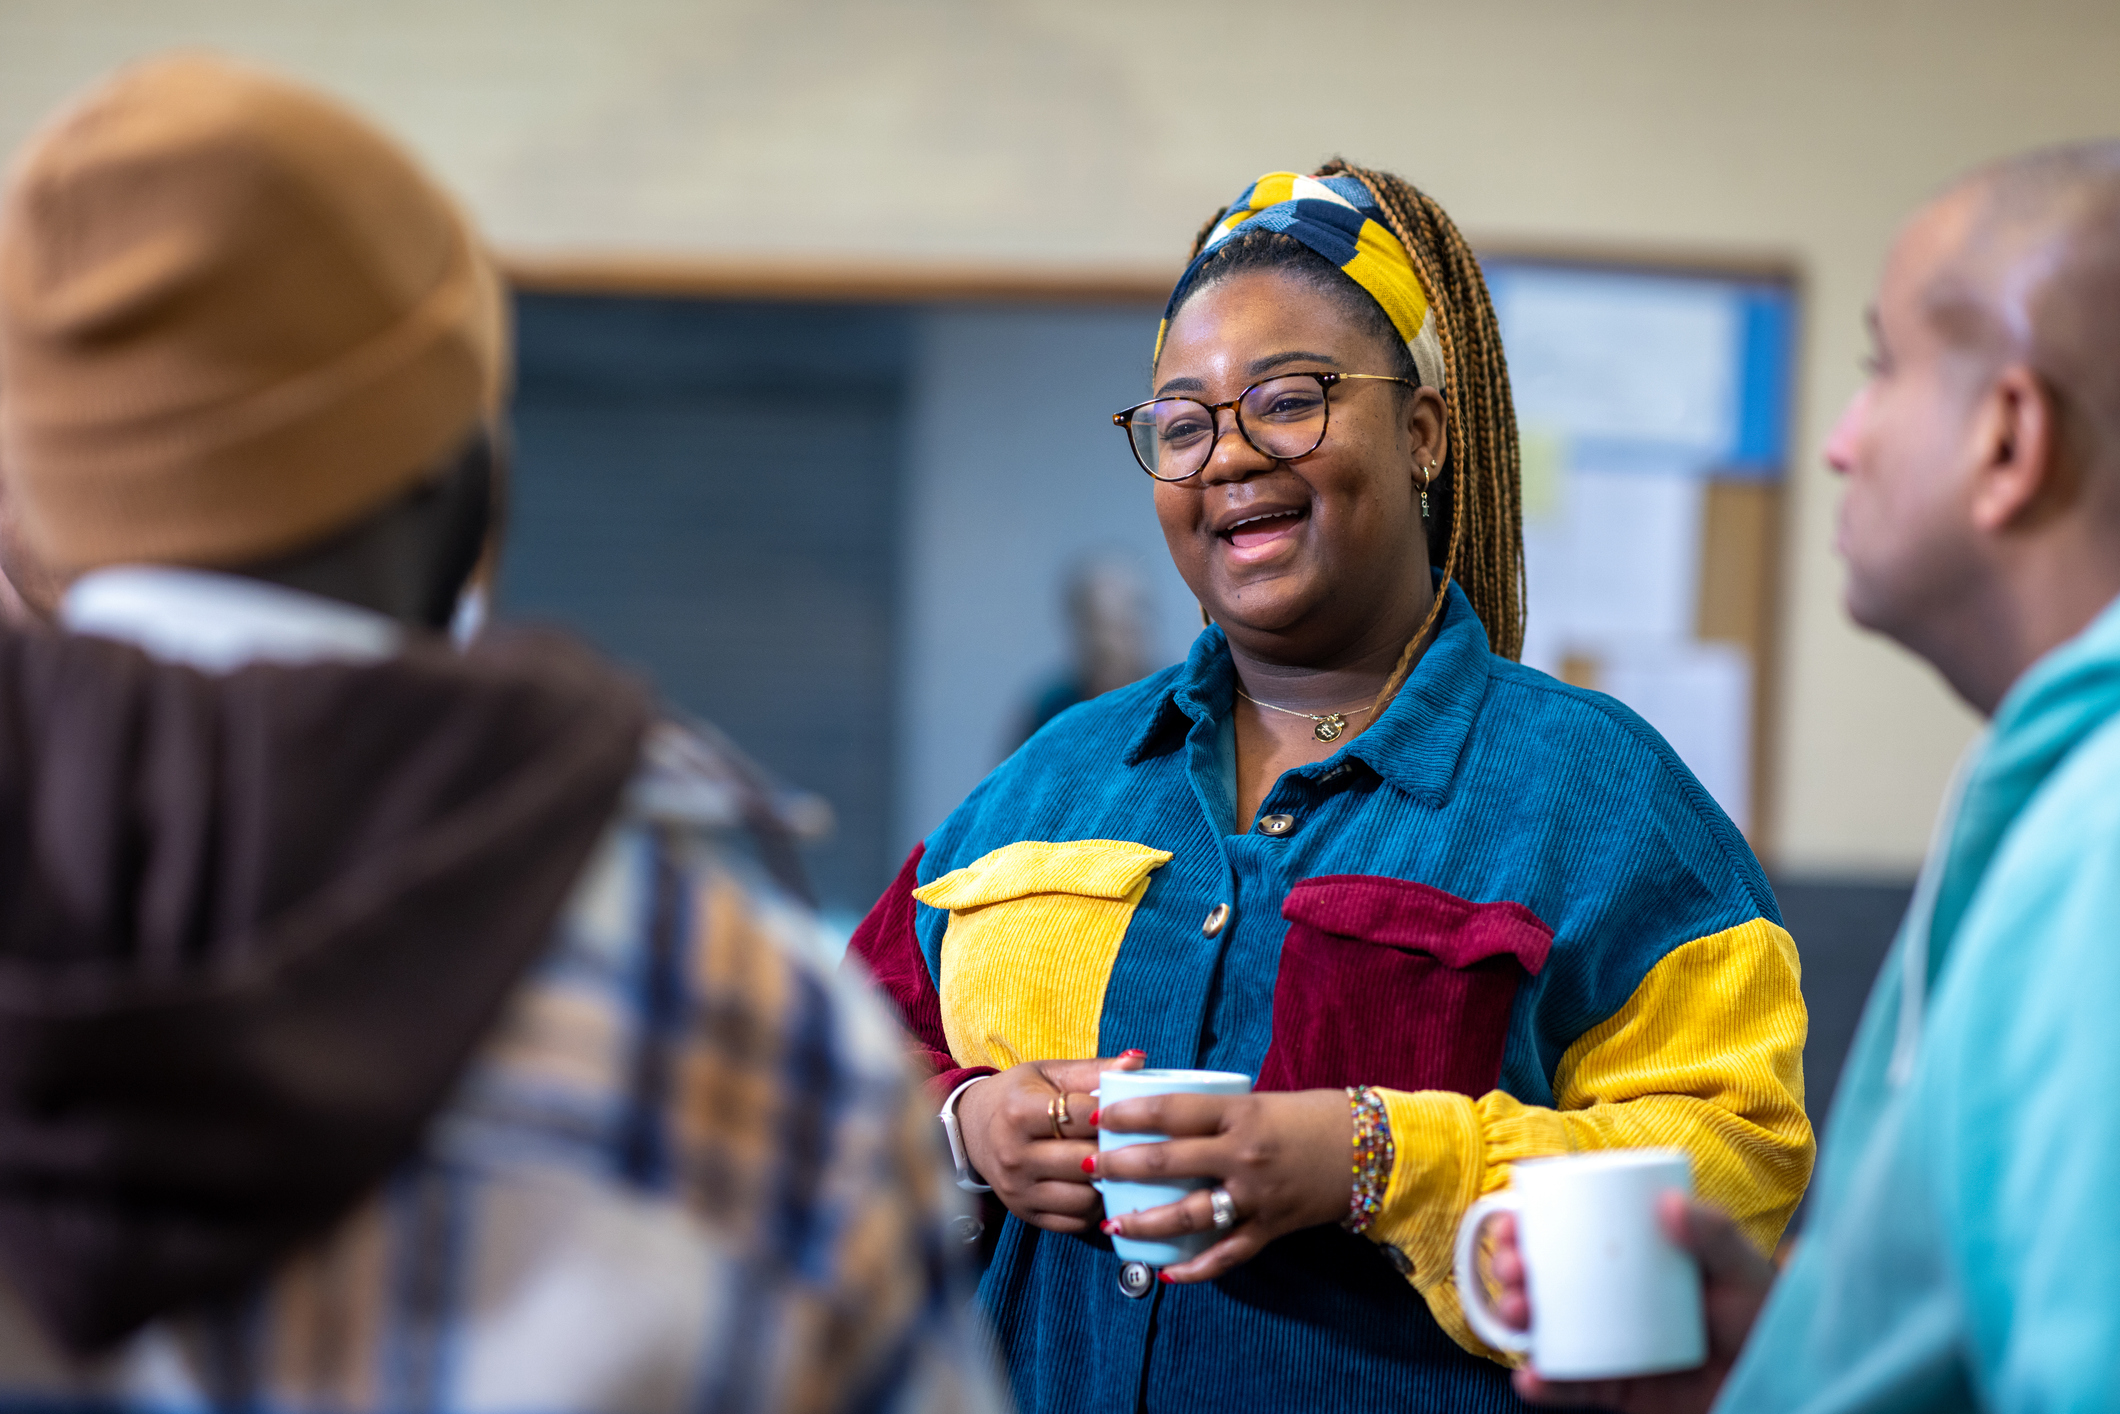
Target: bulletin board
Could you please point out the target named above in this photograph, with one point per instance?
(1654, 401)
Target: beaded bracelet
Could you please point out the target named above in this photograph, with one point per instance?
(1373, 1156)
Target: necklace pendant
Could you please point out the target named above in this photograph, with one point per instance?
(1329, 727)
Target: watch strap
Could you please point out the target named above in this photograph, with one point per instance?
(967, 1179)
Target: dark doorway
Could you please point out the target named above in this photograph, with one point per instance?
(1842, 928)
(711, 492)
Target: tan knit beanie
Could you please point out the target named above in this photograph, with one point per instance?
(234, 319)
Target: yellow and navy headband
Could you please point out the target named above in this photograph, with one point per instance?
(1337, 218)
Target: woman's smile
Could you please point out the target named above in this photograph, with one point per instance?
(1261, 536)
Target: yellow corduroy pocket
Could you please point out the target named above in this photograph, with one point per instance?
(1034, 929)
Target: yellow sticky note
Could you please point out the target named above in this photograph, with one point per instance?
(1544, 459)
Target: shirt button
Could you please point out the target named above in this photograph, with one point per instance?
(1277, 825)
(1216, 918)
(1136, 1280)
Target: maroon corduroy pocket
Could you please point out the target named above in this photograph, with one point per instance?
(1393, 983)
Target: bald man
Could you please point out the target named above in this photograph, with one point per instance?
(1963, 1250)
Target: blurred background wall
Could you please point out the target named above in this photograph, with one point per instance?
(1089, 139)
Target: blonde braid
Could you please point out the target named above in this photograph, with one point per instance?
(1486, 546)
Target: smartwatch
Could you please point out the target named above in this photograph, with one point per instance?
(967, 1179)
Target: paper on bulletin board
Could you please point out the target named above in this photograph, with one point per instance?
(1619, 565)
(1631, 359)
(1699, 697)
(1542, 456)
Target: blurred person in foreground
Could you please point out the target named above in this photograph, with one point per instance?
(382, 1027)
(1961, 1250)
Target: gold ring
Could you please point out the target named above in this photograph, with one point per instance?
(1056, 1111)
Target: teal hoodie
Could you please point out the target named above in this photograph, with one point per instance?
(1964, 1246)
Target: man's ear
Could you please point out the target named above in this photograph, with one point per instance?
(2019, 477)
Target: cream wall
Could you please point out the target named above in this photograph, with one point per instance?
(1101, 133)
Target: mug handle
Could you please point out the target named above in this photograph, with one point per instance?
(1472, 1291)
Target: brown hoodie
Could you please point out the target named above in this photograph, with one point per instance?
(251, 927)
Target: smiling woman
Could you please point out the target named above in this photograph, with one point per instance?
(1449, 912)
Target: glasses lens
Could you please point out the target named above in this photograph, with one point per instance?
(1285, 417)
(1172, 437)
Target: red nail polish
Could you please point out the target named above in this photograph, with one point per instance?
(1089, 1163)
(1124, 1054)
(1166, 1278)
(1110, 1226)
(1096, 1114)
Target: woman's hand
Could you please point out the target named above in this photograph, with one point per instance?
(1284, 1157)
(1008, 1123)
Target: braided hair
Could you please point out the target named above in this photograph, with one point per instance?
(1478, 536)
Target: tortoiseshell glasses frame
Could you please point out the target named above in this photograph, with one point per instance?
(1283, 417)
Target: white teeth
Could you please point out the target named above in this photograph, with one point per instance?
(1252, 520)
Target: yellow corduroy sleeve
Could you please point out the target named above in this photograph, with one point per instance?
(1706, 1056)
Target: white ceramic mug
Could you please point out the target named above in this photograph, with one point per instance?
(1116, 1085)
(1611, 1295)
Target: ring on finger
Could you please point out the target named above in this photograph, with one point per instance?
(1221, 1209)
(1056, 1111)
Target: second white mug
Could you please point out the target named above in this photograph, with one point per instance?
(1611, 1295)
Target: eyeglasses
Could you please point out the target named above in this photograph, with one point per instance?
(1283, 418)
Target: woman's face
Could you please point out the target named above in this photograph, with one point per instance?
(1304, 561)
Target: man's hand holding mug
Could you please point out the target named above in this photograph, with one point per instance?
(1735, 1282)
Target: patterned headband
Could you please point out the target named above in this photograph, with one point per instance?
(1338, 219)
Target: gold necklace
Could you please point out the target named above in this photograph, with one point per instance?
(1327, 726)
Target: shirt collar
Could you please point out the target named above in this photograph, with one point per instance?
(1202, 691)
(1415, 745)
(220, 622)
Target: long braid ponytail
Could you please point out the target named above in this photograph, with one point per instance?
(1486, 545)
(1480, 491)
